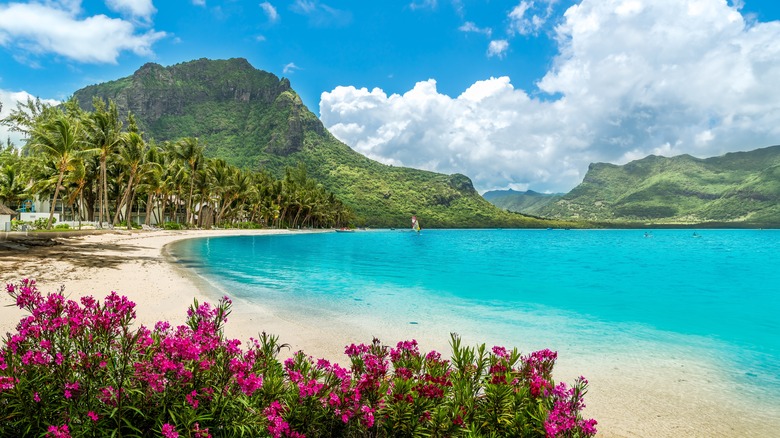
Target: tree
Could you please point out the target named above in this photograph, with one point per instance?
(13, 186)
(190, 151)
(60, 141)
(131, 156)
(104, 134)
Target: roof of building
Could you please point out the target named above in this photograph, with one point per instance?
(5, 210)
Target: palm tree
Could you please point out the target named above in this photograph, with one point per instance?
(13, 187)
(153, 181)
(131, 156)
(104, 133)
(190, 151)
(78, 178)
(60, 140)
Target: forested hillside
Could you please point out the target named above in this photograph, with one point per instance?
(736, 189)
(254, 120)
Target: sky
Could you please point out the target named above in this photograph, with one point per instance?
(520, 94)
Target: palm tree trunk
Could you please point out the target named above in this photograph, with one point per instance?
(148, 218)
(54, 201)
(129, 210)
(81, 205)
(102, 192)
(189, 200)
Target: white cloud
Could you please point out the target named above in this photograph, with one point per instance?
(9, 99)
(321, 15)
(304, 6)
(138, 9)
(36, 29)
(270, 12)
(199, 2)
(497, 48)
(423, 4)
(631, 78)
(290, 68)
(526, 19)
(471, 27)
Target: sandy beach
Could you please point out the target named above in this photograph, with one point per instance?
(671, 398)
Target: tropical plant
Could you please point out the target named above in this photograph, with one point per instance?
(104, 133)
(59, 140)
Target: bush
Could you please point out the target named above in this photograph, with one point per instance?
(62, 227)
(40, 224)
(78, 369)
(173, 226)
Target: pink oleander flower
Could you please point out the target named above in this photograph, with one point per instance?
(368, 416)
(7, 382)
(58, 432)
(168, 431)
(192, 399)
(200, 433)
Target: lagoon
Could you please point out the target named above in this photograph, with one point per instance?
(667, 300)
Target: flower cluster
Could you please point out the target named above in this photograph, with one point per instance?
(77, 369)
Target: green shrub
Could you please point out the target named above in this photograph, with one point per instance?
(172, 226)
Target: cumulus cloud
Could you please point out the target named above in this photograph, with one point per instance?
(270, 12)
(137, 9)
(8, 101)
(37, 29)
(631, 78)
(497, 48)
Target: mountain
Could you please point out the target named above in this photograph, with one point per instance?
(528, 202)
(736, 189)
(254, 120)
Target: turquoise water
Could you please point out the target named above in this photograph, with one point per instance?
(716, 296)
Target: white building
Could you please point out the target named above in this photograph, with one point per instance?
(6, 215)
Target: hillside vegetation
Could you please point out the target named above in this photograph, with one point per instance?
(254, 120)
(736, 189)
(528, 202)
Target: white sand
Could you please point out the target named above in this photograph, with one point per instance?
(630, 396)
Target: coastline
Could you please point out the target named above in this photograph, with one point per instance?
(674, 399)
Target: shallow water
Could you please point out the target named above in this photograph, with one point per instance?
(715, 298)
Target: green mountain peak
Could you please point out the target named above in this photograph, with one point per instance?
(254, 120)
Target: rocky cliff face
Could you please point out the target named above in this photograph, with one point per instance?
(156, 95)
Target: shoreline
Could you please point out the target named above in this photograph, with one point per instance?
(672, 398)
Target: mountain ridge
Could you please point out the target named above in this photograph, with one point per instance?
(737, 188)
(255, 120)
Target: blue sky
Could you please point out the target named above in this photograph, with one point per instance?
(522, 94)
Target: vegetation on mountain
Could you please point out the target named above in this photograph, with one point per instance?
(254, 120)
(736, 189)
(528, 202)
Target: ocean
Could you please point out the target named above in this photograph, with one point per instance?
(712, 297)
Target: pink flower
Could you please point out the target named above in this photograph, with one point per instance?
(192, 399)
(92, 415)
(168, 431)
(7, 382)
(58, 432)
